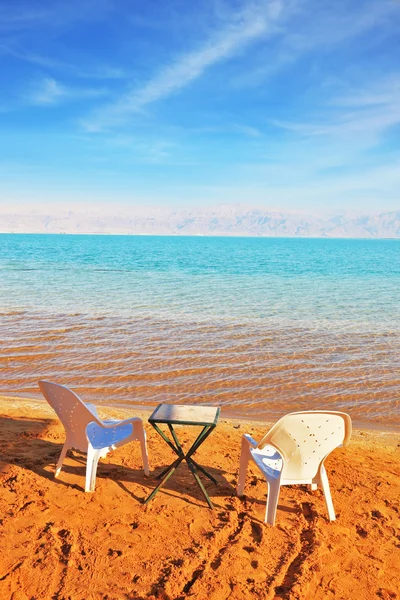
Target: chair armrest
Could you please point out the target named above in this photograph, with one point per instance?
(113, 424)
(92, 408)
(251, 441)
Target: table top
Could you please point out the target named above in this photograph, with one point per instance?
(185, 414)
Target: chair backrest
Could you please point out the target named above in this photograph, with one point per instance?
(304, 439)
(73, 413)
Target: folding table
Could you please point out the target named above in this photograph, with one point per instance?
(197, 416)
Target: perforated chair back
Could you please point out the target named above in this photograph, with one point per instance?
(304, 439)
(74, 414)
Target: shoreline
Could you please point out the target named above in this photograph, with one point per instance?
(226, 415)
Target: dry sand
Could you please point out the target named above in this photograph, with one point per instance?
(59, 543)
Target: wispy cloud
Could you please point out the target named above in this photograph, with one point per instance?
(21, 15)
(13, 18)
(367, 112)
(382, 92)
(141, 150)
(254, 22)
(313, 27)
(247, 130)
(374, 187)
(82, 71)
(48, 92)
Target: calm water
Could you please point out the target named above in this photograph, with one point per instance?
(259, 326)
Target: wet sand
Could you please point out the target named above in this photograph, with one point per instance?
(59, 543)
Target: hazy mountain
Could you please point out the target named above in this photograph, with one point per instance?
(226, 219)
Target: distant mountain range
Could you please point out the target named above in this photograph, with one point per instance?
(224, 220)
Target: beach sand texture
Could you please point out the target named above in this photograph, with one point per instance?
(59, 543)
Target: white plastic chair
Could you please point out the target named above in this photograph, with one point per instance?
(294, 451)
(86, 432)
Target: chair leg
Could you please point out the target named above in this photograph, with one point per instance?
(313, 486)
(139, 433)
(145, 457)
(327, 493)
(64, 450)
(91, 468)
(272, 500)
(244, 461)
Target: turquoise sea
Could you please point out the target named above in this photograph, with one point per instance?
(257, 325)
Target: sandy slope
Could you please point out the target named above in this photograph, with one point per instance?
(59, 543)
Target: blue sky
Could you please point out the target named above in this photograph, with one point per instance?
(286, 104)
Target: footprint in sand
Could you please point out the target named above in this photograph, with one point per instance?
(308, 510)
(256, 532)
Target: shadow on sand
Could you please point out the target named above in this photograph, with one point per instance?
(25, 442)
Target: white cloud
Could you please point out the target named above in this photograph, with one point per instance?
(311, 26)
(18, 16)
(247, 130)
(48, 92)
(367, 112)
(83, 71)
(12, 19)
(383, 92)
(368, 188)
(253, 23)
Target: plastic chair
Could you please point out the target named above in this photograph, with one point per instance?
(294, 451)
(86, 432)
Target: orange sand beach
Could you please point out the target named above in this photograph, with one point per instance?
(58, 542)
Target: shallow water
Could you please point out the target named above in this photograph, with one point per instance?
(259, 326)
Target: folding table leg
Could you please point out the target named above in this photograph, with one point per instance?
(160, 475)
(193, 466)
(200, 468)
(172, 470)
(203, 489)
